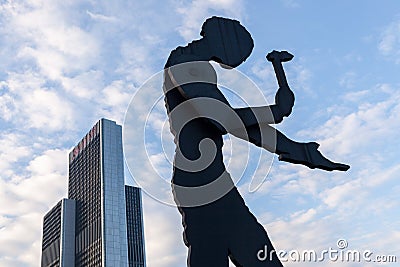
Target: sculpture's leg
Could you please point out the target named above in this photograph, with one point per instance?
(208, 254)
(203, 236)
(253, 248)
(248, 242)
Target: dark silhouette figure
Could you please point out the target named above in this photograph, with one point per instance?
(217, 223)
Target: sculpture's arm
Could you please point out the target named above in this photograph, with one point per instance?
(284, 97)
(197, 82)
(196, 79)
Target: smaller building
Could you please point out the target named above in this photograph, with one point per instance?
(134, 221)
(58, 246)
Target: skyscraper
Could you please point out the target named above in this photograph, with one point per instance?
(101, 223)
(134, 220)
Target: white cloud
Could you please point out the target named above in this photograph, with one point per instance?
(6, 107)
(389, 44)
(46, 109)
(341, 194)
(49, 36)
(195, 13)
(265, 75)
(304, 216)
(356, 96)
(24, 200)
(52, 161)
(117, 94)
(291, 3)
(352, 205)
(45, 171)
(12, 151)
(33, 105)
(85, 85)
(302, 77)
(21, 234)
(138, 61)
(299, 78)
(373, 123)
(349, 79)
(101, 17)
(164, 241)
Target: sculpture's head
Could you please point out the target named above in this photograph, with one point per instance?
(228, 42)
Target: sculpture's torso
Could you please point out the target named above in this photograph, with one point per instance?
(191, 134)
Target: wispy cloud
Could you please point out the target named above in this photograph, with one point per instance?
(336, 205)
(389, 44)
(23, 204)
(194, 14)
(164, 243)
(101, 17)
(291, 3)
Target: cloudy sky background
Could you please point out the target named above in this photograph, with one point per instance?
(65, 64)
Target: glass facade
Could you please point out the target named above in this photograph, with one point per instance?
(107, 215)
(84, 185)
(58, 235)
(136, 253)
(51, 237)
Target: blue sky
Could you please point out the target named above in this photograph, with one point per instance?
(65, 64)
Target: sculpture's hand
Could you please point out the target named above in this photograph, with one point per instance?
(284, 99)
(308, 154)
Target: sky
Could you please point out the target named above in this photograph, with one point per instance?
(66, 64)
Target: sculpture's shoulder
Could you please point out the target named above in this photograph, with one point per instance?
(180, 55)
(190, 74)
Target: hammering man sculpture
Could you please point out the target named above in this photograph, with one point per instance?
(217, 223)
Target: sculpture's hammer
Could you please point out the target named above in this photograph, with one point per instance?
(276, 58)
